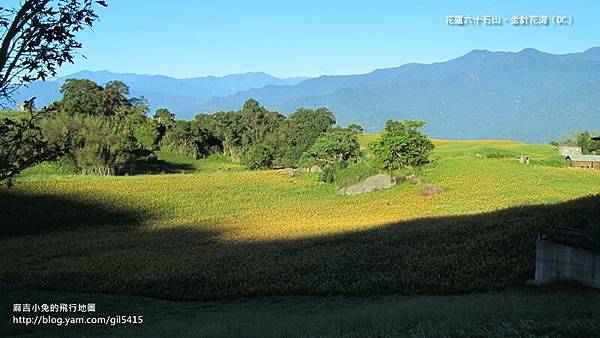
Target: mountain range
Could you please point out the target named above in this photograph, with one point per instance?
(528, 95)
(182, 96)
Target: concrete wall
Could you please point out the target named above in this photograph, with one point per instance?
(566, 151)
(556, 262)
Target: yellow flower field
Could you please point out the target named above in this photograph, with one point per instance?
(221, 233)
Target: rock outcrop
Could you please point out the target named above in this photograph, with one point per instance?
(372, 183)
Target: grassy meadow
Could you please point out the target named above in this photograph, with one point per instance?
(222, 232)
(215, 232)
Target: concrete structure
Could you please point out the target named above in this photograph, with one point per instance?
(562, 254)
(567, 151)
(584, 161)
(560, 262)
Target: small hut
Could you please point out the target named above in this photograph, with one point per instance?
(584, 161)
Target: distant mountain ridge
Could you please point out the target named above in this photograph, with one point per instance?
(528, 95)
(183, 96)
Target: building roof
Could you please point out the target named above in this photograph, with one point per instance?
(584, 158)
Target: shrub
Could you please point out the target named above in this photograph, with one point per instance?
(498, 154)
(401, 145)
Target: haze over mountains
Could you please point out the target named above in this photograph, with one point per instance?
(182, 96)
(528, 95)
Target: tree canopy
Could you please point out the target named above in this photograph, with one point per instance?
(304, 127)
(334, 148)
(402, 145)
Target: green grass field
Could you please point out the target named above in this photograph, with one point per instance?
(216, 232)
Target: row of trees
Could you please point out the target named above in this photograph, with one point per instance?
(256, 136)
(101, 131)
(263, 139)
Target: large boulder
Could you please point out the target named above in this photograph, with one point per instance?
(372, 183)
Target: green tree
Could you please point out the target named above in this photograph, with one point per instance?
(357, 128)
(260, 155)
(205, 120)
(401, 145)
(114, 96)
(23, 144)
(99, 145)
(228, 127)
(303, 128)
(82, 96)
(144, 130)
(335, 148)
(103, 146)
(191, 138)
(37, 37)
(258, 122)
(164, 120)
(164, 117)
(108, 130)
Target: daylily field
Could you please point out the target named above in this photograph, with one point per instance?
(223, 232)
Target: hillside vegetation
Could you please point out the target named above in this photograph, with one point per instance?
(223, 233)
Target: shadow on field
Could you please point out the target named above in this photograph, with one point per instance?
(26, 213)
(142, 167)
(441, 255)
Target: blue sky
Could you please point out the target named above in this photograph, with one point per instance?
(309, 38)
